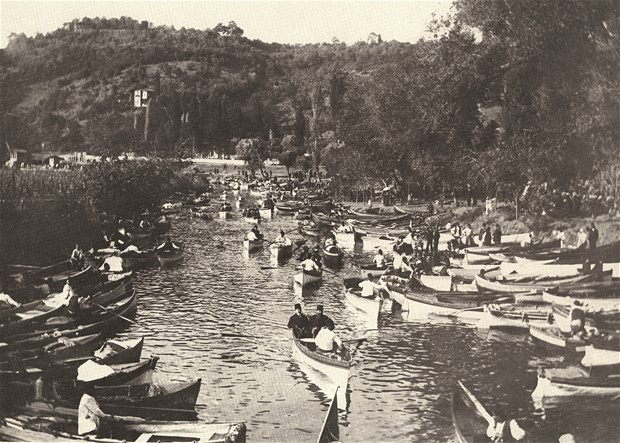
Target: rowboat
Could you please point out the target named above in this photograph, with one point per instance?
(305, 278)
(170, 257)
(372, 269)
(437, 282)
(281, 251)
(594, 300)
(224, 215)
(369, 242)
(473, 258)
(253, 220)
(335, 368)
(133, 260)
(118, 351)
(606, 320)
(333, 255)
(154, 400)
(513, 317)
(252, 245)
(487, 285)
(468, 275)
(265, 213)
(53, 306)
(574, 382)
(556, 340)
(311, 231)
(41, 421)
(369, 305)
(419, 303)
(123, 308)
(202, 213)
(469, 417)
(554, 270)
(602, 356)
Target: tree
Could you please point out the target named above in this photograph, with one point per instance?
(316, 94)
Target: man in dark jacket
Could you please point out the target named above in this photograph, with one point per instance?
(319, 320)
(299, 323)
(592, 237)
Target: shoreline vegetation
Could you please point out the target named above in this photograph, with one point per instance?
(51, 210)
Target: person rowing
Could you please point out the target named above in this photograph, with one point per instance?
(379, 259)
(309, 265)
(168, 245)
(254, 234)
(369, 287)
(283, 240)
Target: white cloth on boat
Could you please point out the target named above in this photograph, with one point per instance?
(91, 371)
(115, 263)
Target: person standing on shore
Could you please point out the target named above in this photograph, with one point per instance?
(497, 235)
(592, 237)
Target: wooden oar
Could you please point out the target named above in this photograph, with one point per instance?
(120, 316)
(479, 407)
(287, 232)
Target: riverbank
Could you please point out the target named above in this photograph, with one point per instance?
(544, 227)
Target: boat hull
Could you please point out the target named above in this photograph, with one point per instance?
(370, 306)
(305, 278)
(252, 245)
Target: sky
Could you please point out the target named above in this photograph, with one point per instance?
(270, 21)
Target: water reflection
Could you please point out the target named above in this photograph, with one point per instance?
(221, 317)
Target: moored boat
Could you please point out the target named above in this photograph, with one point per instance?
(469, 416)
(376, 271)
(556, 340)
(574, 382)
(224, 215)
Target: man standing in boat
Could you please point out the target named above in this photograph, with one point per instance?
(319, 320)
(299, 323)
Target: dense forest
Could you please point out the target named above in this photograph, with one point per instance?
(501, 95)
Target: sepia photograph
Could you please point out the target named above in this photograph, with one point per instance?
(295, 221)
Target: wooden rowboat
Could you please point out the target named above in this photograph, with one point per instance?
(41, 421)
(224, 215)
(332, 256)
(554, 339)
(170, 257)
(573, 383)
(337, 370)
(266, 213)
(469, 417)
(305, 278)
(372, 269)
(369, 305)
(252, 245)
(281, 251)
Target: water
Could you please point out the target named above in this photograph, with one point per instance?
(400, 385)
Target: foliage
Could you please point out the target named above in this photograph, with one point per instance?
(123, 189)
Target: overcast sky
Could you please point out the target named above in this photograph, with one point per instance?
(269, 21)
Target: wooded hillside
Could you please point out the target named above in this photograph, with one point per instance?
(503, 94)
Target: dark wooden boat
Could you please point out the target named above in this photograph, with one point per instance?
(44, 421)
(469, 416)
(134, 260)
(52, 306)
(124, 308)
(170, 257)
(332, 256)
(555, 340)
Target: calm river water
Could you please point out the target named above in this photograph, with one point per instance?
(400, 385)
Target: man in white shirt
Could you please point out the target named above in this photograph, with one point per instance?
(283, 239)
(369, 287)
(327, 341)
(379, 259)
(309, 265)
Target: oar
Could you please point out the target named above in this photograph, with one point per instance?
(481, 409)
(287, 232)
(359, 340)
(119, 316)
